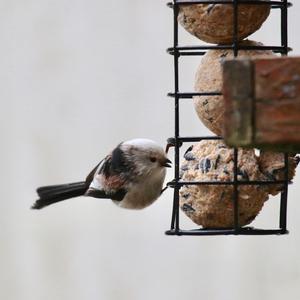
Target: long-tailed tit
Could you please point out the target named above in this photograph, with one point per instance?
(132, 175)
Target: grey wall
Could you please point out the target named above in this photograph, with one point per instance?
(77, 77)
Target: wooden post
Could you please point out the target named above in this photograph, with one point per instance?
(262, 103)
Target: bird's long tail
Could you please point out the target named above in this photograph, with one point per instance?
(56, 193)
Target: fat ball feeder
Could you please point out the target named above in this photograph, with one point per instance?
(200, 171)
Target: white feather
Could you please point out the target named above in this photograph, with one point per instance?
(144, 144)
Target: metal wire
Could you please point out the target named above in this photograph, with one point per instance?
(177, 141)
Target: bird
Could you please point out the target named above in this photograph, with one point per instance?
(131, 175)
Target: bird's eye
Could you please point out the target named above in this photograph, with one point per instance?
(152, 159)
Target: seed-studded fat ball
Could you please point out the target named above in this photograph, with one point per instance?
(212, 206)
(213, 23)
(272, 165)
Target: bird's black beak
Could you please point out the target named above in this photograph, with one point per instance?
(167, 163)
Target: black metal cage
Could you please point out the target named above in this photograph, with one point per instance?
(177, 141)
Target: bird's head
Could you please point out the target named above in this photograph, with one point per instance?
(147, 156)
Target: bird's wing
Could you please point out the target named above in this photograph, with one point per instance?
(91, 175)
(105, 180)
(117, 195)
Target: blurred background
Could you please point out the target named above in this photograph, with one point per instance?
(77, 77)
